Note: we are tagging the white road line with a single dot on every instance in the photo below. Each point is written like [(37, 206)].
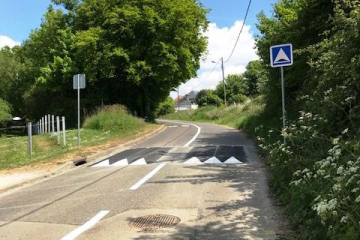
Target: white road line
[(74, 234), (147, 177), (194, 125), (196, 135)]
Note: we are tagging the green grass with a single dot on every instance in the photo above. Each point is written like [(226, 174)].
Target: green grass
[(109, 123), (247, 116)]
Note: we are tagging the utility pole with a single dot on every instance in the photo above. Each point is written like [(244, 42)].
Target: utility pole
[(223, 75)]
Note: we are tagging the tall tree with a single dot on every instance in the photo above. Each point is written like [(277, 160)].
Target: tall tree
[(135, 51), (254, 77), (235, 88)]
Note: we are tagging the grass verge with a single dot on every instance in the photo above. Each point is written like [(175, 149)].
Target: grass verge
[(109, 127)]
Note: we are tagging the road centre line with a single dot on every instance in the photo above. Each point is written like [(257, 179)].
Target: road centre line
[(147, 177), (74, 234)]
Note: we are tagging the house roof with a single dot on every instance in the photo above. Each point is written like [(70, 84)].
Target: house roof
[(179, 98), (192, 94)]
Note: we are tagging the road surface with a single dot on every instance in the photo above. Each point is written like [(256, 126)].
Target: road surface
[(191, 181)]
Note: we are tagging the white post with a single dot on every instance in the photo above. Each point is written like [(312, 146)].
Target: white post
[(53, 123), (49, 123), (40, 127), (64, 131), (58, 128), (46, 130), (30, 137)]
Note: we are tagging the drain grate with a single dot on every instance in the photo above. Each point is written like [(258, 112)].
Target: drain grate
[(154, 222)]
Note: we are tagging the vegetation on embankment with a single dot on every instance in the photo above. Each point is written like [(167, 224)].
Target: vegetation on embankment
[(316, 174), (108, 124), (240, 116)]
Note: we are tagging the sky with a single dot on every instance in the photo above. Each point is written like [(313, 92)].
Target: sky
[(19, 17)]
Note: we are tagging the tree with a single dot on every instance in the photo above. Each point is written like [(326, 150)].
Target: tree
[(5, 113), (12, 87), (235, 88), (254, 77), (166, 107), (141, 49), (208, 97)]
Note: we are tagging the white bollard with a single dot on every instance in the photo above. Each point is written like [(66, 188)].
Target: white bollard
[(49, 123), (45, 124), (58, 128), (42, 125), (30, 137), (53, 123), (64, 131)]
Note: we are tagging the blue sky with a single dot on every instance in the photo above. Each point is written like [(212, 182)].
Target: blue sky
[(19, 17)]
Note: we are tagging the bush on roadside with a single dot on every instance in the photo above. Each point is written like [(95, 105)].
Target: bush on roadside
[(114, 118), (165, 107), (5, 113)]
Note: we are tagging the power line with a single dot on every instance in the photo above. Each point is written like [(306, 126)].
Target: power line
[(202, 81), (242, 27)]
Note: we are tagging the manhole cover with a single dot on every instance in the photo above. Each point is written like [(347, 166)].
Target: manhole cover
[(154, 222)]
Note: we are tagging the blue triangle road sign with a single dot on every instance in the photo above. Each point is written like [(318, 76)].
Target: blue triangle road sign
[(281, 55)]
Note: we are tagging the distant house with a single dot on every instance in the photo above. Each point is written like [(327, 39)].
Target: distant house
[(186, 102)]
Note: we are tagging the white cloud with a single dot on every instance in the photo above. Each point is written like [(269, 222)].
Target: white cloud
[(6, 41), (221, 42)]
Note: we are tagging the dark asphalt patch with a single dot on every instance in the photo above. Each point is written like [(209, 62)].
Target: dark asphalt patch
[(202, 153), (223, 153)]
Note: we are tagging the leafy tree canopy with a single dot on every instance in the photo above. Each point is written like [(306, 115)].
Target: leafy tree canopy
[(208, 97)]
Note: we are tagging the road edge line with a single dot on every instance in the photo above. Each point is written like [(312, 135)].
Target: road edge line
[(194, 125), (86, 226)]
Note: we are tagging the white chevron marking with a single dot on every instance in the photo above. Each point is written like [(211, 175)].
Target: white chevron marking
[(213, 160), (122, 162), (140, 161), (104, 163), (233, 160), (193, 160)]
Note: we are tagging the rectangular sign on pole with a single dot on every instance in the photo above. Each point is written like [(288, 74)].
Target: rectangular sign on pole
[(79, 83), (79, 80), (281, 55)]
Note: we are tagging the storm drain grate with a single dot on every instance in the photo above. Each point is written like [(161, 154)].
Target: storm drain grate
[(154, 222)]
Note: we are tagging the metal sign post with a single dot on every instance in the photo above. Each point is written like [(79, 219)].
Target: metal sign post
[(281, 56), (79, 83)]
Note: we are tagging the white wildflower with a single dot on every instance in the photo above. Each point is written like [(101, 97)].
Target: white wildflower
[(344, 219), (345, 131), (340, 170)]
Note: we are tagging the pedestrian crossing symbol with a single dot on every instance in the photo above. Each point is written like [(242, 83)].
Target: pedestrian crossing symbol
[(281, 55)]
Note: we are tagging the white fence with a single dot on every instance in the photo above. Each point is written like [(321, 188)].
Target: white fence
[(48, 124)]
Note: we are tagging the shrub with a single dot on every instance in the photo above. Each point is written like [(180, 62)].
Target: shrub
[(113, 118), (5, 112), (166, 107)]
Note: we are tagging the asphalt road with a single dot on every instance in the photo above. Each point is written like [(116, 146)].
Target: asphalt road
[(208, 177)]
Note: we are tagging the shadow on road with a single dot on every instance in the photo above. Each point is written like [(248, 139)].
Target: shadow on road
[(247, 214)]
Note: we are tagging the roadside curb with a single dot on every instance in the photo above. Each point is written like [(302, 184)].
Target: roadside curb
[(67, 166)]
